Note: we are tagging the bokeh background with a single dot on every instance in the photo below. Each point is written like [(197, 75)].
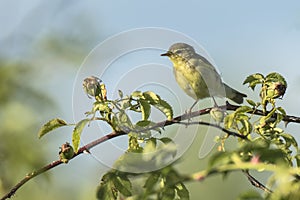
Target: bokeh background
[(43, 45)]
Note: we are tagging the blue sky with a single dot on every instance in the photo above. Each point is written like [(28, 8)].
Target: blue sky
[(241, 37)]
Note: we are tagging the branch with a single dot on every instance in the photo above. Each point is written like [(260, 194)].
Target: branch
[(200, 176), (176, 120), (287, 118), (255, 182), (58, 162), (216, 126)]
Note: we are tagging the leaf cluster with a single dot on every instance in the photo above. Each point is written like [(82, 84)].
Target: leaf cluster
[(264, 145)]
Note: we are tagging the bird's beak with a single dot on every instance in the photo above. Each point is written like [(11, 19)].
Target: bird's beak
[(168, 53)]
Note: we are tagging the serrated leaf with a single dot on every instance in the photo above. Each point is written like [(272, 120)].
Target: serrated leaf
[(276, 77), (253, 80), (50, 126), (77, 133), (145, 109), (251, 103)]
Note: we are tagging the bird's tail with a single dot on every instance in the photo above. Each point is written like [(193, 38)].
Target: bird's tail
[(234, 95)]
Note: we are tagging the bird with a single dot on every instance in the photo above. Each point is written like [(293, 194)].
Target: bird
[(197, 77)]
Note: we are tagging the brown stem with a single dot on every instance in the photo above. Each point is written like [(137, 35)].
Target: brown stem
[(176, 120)]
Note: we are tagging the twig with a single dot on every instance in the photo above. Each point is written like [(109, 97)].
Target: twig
[(200, 176), (216, 126), (255, 182), (58, 162), (176, 120), (286, 118)]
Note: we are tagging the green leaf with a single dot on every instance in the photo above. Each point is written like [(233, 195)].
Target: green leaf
[(151, 97), (164, 107), (166, 140), (136, 94), (280, 109), (51, 125), (145, 109), (254, 79), (172, 178), (270, 114), (77, 133), (122, 184), (297, 157), (158, 103), (144, 123), (151, 181), (182, 191), (124, 122), (168, 194), (244, 109), (229, 120), (102, 107), (247, 127), (276, 77), (106, 190), (251, 103), (106, 193), (289, 139)]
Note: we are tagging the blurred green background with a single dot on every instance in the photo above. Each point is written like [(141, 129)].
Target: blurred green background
[(43, 44)]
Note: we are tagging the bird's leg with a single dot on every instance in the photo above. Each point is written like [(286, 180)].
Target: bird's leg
[(189, 111), (215, 103)]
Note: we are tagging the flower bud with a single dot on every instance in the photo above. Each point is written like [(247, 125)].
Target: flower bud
[(94, 87), (217, 114), (66, 152)]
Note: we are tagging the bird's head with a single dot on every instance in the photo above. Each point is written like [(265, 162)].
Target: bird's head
[(179, 50)]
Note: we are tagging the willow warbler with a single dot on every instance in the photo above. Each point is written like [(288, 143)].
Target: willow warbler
[(197, 76)]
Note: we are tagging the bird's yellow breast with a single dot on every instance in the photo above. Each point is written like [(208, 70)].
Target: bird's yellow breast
[(189, 78)]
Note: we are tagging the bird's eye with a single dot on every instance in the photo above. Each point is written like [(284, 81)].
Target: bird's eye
[(179, 51)]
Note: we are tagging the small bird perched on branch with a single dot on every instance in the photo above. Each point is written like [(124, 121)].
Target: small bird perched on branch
[(197, 76)]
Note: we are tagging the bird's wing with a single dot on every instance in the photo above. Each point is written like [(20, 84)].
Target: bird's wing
[(208, 73)]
